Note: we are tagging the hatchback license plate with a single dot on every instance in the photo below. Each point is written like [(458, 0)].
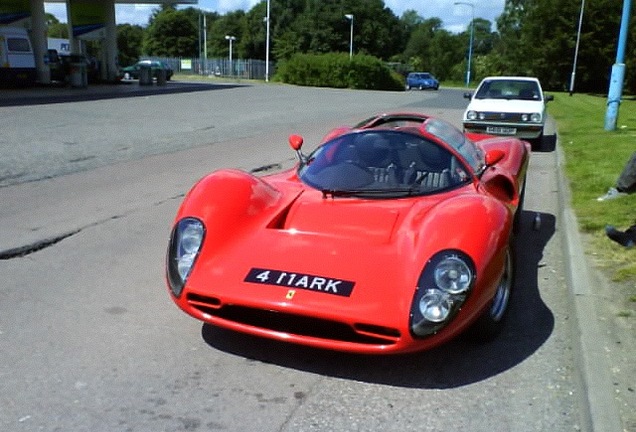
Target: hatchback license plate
[(501, 130)]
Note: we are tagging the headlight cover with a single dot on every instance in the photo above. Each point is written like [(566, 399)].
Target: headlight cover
[(442, 288), (183, 250), (471, 115)]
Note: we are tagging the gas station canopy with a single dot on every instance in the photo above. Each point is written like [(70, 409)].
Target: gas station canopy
[(87, 20)]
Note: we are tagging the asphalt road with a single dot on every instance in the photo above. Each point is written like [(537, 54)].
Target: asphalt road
[(89, 338)]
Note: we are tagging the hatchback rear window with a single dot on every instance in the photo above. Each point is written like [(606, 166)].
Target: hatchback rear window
[(18, 45)]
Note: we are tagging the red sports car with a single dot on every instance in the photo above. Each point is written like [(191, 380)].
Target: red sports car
[(393, 236)]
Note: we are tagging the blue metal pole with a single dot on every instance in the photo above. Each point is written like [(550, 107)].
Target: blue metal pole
[(618, 72)]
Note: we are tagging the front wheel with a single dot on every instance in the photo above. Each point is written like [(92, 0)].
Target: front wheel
[(489, 324)]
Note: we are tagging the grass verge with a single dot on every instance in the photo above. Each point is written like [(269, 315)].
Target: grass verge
[(594, 159)]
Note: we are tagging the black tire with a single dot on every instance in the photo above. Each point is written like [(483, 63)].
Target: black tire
[(490, 323)]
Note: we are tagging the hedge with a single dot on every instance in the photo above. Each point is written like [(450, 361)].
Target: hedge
[(338, 70)]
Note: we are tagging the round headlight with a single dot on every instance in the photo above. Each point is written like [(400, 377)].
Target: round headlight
[(535, 117), (435, 305), (471, 115), (524, 117), (442, 288), (453, 275)]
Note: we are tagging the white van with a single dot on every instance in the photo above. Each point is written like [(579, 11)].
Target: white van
[(17, 61)]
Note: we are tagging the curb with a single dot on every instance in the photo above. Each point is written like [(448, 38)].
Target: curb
[(600, 411)]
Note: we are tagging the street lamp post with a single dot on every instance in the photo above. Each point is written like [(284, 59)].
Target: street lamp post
[(350, 18), (267, 45), (205, 44), (576, 49), (472, 35), (230, 39)]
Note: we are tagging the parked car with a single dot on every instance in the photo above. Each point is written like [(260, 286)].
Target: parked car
[(394, 235), (132, 72), (421, 81), (17, 60), (509, 106)]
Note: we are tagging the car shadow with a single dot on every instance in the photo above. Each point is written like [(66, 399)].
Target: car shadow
[(458, 363)]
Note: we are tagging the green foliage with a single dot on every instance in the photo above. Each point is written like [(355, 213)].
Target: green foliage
[(171, 33), (129, 43), (231, 24), (533, 37), (56, 29), (538, 37), (339, 71)]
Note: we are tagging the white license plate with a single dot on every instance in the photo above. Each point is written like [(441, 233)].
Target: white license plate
[(499, 130)]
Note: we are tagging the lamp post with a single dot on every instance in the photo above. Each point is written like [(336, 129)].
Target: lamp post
[(205, 44), (350, 18), (230, 39), (472, 35), (267, 45), (576, 49), (618, 71)]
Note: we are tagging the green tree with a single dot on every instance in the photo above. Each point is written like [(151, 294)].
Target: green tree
[(231, 24), (171, 33), (55, 28), (484, 39), (538, 37), (433, 49), (129, 43)]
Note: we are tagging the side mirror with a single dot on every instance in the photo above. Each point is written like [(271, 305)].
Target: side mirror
[(468, 95), (548, 98), (296, 142), (494, 156)]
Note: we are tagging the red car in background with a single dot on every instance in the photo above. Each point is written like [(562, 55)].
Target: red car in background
[(394, 235)]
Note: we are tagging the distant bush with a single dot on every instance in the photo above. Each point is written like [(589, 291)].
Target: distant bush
[(339, 71)]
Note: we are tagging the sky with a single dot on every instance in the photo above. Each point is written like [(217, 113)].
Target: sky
[(455, 18)]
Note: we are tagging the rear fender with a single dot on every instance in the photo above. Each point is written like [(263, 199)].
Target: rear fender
[(502, 186), (517, 153)]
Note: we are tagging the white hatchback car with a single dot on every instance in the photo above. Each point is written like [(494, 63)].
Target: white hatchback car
[(507, 105)]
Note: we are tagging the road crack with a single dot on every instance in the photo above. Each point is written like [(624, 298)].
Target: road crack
[(23, 251)]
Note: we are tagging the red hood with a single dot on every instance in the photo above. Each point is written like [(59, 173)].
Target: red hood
[(346, 218)]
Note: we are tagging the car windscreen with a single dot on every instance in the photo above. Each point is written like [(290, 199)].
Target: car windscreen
[(382, 163), (455, 138), (509, 89)]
